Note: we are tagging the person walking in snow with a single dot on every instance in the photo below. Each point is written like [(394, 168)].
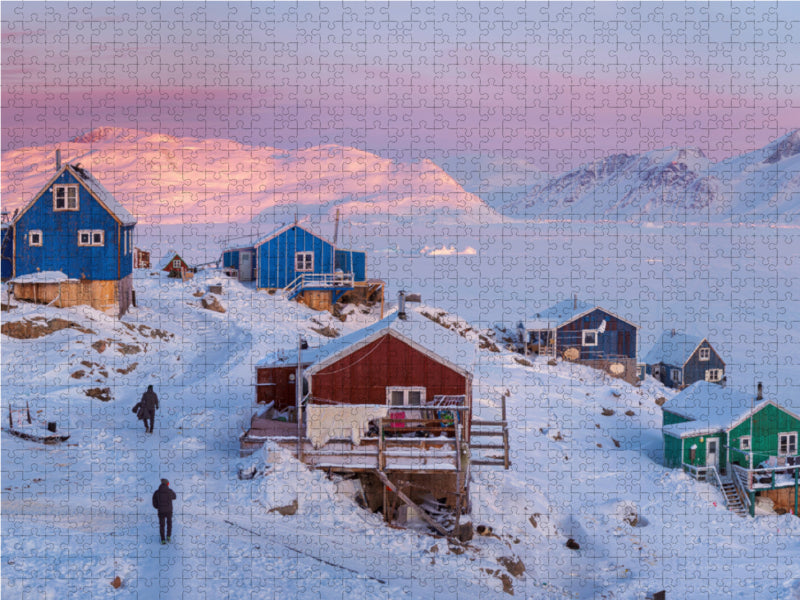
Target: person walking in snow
[(162, 502), (147, 408)]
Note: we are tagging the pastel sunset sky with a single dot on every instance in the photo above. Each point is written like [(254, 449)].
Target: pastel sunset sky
[(550, 86)]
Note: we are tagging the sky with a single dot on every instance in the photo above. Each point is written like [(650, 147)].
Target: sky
[(514, 89)]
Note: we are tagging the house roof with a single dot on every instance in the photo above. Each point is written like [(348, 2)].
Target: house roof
[(285, 228), (714, 408), (167, 259), (106, 199), (565, 312), (418, 331), (673, 349)]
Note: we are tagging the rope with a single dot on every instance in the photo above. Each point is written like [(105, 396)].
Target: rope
[(356, 362)]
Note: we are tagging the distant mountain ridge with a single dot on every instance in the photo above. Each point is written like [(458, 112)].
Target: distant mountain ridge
[(164, 179), (678, 185)]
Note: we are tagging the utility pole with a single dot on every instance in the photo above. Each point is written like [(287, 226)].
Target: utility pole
[(298, 393)]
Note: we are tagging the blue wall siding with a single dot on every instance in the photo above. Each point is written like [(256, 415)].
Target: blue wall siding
[(695, 369), (619, 338), (7, 252), (60, 250), (352, 261), (230, 258), (276, 257)]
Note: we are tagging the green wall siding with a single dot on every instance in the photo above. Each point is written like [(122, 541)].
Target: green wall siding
[(672, 450), (672, 418), (767, 424)]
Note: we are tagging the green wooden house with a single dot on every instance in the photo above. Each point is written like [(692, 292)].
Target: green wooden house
[(740, 438)]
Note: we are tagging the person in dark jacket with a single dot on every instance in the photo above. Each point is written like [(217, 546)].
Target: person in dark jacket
[(149, 404), (162, 502)]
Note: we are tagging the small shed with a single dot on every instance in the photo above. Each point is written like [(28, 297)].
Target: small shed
[(175, 266), (141, 259), (678, 360), (745, 438), (583, 332)]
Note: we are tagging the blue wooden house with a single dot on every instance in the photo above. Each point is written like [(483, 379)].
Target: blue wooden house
[(586, 333), (303, 264), (678, 360), (7, 252), (73, 244)]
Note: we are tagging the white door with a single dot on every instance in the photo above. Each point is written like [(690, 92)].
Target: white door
[(245, 266), (712, 452)]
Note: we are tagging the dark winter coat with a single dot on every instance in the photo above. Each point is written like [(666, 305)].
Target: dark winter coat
[(162, 499), (149, 405), (138, 409)]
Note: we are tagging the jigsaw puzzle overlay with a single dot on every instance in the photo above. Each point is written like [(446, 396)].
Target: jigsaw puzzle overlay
[(400, 300)]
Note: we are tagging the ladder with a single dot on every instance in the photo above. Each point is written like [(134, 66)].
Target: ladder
[(491, 430)]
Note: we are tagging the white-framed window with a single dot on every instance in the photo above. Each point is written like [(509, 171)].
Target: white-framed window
[(35, 237), (714, 375), (589, 337), (405, 396), (304, 261), (705, 354), (176, 263), (91, 237), (744, 443), (787, 444), (677, 376), (65, 197)]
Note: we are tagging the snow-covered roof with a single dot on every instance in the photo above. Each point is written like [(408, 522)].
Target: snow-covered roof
[(710, 405), (105, 197), (41, 183), (167, 259), (283, 229), (563, 312), (41, 277), (419, 331), (673, 349), (690, 429)]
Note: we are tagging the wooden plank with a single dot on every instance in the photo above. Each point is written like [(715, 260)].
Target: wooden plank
[(487, 433), (487, 462), (502, 423), (488, 446), (425, 516)]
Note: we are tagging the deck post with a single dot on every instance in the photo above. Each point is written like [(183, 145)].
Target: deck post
[(298, 396), (752, 496), (796, 475)]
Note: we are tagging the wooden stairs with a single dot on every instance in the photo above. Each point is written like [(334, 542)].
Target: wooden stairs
[(491, 430), (733, 500)]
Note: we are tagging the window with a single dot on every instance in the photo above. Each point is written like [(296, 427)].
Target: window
[(677, 376), (35, 237), (176, 264), (705, 353), (714, 375), (787, 444), (405, 396), (304, 261), (590, 337), (65, 197), (744, 443), (91, 237)]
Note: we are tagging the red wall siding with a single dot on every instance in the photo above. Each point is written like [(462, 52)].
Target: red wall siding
[(282, 392), (363, 376)]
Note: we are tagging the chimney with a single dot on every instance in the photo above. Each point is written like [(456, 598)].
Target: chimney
[(401, 304), (760, 394), (574, 301), (58, 159), (672, 333)]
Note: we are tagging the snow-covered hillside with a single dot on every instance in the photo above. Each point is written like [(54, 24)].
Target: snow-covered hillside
[(163, 179), (585, 465), (675, 185)]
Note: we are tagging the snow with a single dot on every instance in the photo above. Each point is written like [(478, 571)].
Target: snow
[(77, 515), (42, 277), (673, 349)]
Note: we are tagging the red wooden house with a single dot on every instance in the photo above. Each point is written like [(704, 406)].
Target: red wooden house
[(391, 403), (173, 264)]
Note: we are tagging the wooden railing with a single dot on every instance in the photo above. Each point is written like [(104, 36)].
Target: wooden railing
[(750, 476), (318, 280), (739, 477)]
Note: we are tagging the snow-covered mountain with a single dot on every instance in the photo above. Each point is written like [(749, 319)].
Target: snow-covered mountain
[(166, 180), (675, 185)]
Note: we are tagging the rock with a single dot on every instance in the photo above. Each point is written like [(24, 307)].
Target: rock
[(30, 330), (211, 302), (661, 400), (533, 520), (77, 374), (286, 511), (100, 346), (513, 565), (630, 413), (128, 348), (616, 442), (116, 583), (483, 530), (573, 545), (102, 394), (607, 412)]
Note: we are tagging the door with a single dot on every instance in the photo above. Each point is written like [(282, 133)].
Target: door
[(712, 452), (245, 266)]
